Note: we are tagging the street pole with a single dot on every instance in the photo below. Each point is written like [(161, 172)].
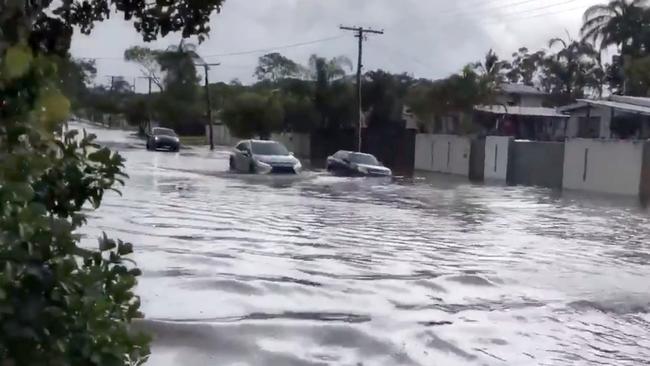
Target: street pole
[(359, 33), (150, 79), (206, 68)]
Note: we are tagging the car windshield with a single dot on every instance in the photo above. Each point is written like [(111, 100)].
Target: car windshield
[(163, 132), (363, 159), (269, 148)]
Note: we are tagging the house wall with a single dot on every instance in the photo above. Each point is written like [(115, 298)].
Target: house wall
[(605, 166), (496, 157), (298, 143), (221, 135), (448, 154), (604, 113), (534, 163)]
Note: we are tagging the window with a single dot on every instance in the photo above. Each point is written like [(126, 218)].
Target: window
[(243, 146), (342, 155), (269, 148), (365, 159), (158, 131)]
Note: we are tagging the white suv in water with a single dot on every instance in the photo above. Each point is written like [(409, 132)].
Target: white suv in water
[(264, 157)]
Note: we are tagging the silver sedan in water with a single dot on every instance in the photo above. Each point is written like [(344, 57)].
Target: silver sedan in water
[(263, 157)]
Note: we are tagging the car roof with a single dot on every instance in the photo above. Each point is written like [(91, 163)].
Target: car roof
[(259, 141)]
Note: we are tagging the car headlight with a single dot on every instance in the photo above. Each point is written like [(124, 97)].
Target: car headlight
[(297, 166), (362, 169), (263, 167), (156, 138)]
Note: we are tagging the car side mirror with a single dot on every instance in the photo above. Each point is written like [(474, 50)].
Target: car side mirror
[(246, 153), (347, 161), (291, 153)]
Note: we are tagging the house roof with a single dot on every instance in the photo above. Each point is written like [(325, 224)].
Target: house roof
[(521, 111), (622, 104), (511, 88)]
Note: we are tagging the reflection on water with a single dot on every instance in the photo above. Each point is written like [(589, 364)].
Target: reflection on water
[(319, 270)]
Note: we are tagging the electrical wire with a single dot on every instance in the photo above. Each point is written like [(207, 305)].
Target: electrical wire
[(240, 53)]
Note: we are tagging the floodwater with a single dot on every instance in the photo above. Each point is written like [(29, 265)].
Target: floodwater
[(318, 270)]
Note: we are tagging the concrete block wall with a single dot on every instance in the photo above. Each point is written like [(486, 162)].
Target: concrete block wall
[(222, 136), (447, 154), (535, 163), (298, 143), (604, 166), (497, 151)]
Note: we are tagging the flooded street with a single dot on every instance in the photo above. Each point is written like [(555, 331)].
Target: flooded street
[(319, 270)]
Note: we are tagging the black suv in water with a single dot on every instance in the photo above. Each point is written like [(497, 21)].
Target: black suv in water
[(356, 164), (163, 138)]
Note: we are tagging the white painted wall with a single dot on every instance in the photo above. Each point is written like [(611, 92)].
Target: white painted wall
[(612, 166), (604, 113), (298, 143), (496, 157), (222, 136), (447, 154)]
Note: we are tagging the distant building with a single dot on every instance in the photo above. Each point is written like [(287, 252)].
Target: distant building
[(520, 95), (519, 112), (617, 116)]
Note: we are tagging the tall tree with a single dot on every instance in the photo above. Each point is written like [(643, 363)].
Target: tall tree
[(621, 23), (525, 66), (253, 114), (148, 60), (573, 69), (322, 69), (492, 68), (274, 66), (178, 105), (63, 303)]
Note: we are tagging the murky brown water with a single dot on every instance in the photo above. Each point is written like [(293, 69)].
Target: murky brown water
[(316, 270)]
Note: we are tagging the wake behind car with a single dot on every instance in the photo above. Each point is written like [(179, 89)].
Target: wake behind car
[(264, 157), (163, 138), (350, 163)]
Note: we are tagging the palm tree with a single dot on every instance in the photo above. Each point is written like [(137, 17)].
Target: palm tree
[(492, 68), (322, 68), (620, 23), (572, 69)]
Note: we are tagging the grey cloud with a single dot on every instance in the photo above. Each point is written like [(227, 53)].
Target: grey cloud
[(428, 38)]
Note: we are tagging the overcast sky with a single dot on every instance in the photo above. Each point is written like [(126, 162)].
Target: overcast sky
[(426, 38)]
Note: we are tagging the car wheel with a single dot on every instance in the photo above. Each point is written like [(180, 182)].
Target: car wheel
[(232, 164), (251, 169), (148, 147), (176, 149)]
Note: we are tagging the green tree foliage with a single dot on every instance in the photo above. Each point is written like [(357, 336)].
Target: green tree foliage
[(253, 114), (638, 71), (383, 95), (524, 66), (572, 70), (621, 23), (178, 106), (148, 60), (61, 304), (274, 67)]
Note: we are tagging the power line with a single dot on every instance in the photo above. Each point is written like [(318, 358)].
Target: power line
[(261, 50), (240, 53)]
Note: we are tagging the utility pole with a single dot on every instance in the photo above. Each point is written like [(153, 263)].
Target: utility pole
[(150, 79), (360, 33), (113, 78), (206, 68)]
